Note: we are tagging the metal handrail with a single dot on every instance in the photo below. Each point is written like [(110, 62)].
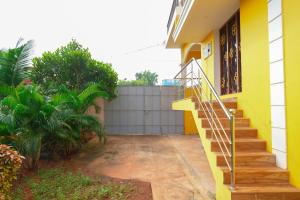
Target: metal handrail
[(208, 83), (218, 131), (174, 5)]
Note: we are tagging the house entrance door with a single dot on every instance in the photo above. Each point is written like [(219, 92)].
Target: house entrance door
[(231, 76)]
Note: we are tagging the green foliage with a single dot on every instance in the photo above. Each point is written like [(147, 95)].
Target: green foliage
[(68, 123), (145, 78), (52, 124), (58, 184), (48, 117), (15, 64), (149, 77), (73, 66), (10, 163), (132, 83), (21, 116)]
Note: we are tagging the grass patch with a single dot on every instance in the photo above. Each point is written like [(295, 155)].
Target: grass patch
[(56, 184)]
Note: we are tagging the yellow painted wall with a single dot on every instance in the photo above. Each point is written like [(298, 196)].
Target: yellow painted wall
[(184, 51), (255, 96), (208, 63), (189, 122), (192, 54), (291, 31)]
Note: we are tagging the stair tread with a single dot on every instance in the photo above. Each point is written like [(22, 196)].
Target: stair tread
[(244, 140), (221, 110), (237, 128), (223, 100), (224, 118), (262, 153), (256, 188), (255, 169)]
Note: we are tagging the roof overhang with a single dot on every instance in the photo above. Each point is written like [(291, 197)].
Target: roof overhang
[(200, 17)]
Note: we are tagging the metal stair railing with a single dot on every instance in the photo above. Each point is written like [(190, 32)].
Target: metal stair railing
[(206, 98)]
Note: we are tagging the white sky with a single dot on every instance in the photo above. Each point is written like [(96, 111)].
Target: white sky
[(109, 28)]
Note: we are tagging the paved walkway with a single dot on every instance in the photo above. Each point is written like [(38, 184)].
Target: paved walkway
[(176, 166)]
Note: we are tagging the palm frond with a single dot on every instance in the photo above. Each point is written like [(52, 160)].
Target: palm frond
[(6, 90), (16, 63), (23, 63), (88, 96), (19, 42)]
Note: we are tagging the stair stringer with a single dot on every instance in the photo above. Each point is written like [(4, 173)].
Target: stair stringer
[(222, 191)]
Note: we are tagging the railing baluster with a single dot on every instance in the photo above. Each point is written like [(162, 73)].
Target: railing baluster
[(232, 147)]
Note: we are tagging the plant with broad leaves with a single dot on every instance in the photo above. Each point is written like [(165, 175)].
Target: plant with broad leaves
[(10, 163), (53, 124)]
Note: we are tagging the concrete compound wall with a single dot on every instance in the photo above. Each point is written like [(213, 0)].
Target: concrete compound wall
[(144, 110)]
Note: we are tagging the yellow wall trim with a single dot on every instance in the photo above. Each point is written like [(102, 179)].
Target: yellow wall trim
[(222, 191)]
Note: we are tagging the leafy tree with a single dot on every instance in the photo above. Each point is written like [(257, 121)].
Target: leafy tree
[(150, 78), (145, 78), (73, 66)]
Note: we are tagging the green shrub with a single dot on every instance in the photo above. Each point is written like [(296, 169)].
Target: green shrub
[(10, 163), (53, 125)]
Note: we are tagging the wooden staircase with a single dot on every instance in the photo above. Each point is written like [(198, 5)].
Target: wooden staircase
[(256, 176)]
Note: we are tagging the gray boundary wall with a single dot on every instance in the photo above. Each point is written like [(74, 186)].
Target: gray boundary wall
[(143, 110)]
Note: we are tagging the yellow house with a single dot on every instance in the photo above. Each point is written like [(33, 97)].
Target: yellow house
[(240, 65)]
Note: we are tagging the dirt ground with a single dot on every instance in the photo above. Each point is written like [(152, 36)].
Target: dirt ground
[(160, 160), (164, 161)]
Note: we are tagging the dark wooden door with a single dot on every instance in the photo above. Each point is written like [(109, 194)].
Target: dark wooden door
[(231, 76)]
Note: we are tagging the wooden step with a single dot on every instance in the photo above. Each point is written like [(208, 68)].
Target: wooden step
[(265, 192), (220, 113), (240, 132), (257, 159), (216, 105), (241, 145), (257, 175), (239, 122)]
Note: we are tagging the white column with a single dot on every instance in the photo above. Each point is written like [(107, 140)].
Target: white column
[(277, 83)]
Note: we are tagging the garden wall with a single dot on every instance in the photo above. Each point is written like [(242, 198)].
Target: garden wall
[(143, 110)]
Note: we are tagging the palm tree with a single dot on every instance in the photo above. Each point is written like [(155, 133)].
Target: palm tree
[(54, 124), (15, 65), (20, 119)]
